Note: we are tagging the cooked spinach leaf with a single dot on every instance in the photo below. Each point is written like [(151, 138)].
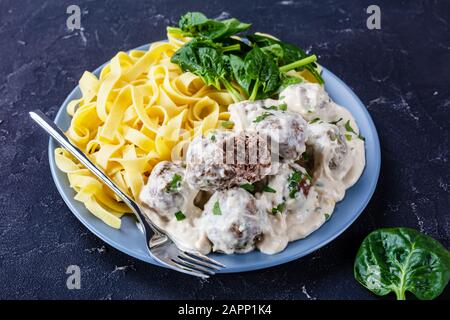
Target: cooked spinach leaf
[(402, 259)]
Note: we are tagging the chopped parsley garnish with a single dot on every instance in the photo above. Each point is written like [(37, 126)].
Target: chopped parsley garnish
[(348, 127), (314, 120), (281, 97), (262, 117), (269, 189), (348, 137), (216, 209), (175, 183), (293, 183), (213, 138), (248, 186), (179, 216), (279, 208), (335, 122), (227, 124), (327, 216), (282, 107), (270, 108)]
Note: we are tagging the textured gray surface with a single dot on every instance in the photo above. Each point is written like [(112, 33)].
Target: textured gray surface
[(401, 72)]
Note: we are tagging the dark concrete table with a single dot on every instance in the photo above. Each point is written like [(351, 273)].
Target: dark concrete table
[(401, 72)]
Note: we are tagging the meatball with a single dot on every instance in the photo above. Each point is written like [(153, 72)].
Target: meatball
[(243, 113), (226, 160), (334, 159), (307, 99), (329, 146), (165, 191), (268, 117), (232, 221), (287, 133)]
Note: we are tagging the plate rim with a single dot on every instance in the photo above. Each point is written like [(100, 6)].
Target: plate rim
[(254, 266)]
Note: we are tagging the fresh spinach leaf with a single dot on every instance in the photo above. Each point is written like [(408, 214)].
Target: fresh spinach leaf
[(205, 59), (197, 24), (402, 259), (263, 70), (275, 51), (237, 66), (285, 53)]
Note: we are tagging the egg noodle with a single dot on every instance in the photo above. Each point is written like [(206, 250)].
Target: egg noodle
[(141, 110)]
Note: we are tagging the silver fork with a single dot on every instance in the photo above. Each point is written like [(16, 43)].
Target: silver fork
[(160, 246)]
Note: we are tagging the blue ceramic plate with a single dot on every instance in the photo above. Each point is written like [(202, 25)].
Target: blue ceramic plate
[(131, 241)]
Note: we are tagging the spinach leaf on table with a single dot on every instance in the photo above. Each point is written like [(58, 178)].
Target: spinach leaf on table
[(402, 259)]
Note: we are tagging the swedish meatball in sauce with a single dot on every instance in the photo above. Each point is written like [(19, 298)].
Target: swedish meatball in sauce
[(286, 129), (230, 159), (232, 221)]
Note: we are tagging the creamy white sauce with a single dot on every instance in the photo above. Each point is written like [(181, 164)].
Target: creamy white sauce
[(266, 220)]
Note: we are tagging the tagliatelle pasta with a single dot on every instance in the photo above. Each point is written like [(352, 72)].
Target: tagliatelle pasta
[(141, 110)]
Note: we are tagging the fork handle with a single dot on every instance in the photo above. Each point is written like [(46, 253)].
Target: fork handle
[(52, 129)]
